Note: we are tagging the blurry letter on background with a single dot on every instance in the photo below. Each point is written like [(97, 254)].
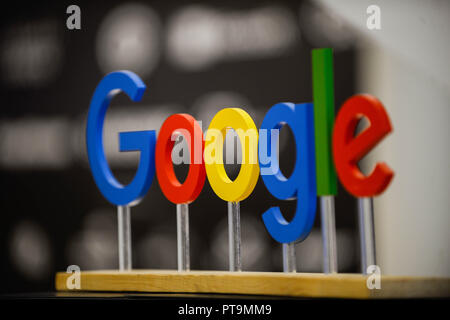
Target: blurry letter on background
[(74, 20), (374, 280), (374, 18), (73, 281)]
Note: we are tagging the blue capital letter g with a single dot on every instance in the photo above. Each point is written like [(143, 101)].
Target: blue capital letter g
[(143, 141)]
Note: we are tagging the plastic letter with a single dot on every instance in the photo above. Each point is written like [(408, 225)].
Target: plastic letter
[(302, 183), (190, 189), (323, 94), (143, 141), (243, 185), (348, 150)]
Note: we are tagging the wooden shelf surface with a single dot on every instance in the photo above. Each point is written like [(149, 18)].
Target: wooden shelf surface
[(314, 285)]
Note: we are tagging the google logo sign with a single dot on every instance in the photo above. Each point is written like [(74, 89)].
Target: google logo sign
[(326, 149)]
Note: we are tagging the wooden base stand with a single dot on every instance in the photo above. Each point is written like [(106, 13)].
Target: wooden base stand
[(314, 285)]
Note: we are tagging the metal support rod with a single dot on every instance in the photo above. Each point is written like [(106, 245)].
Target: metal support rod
[(124, 233), (183, 237), (327, 216), (366, 233), (234, 236), (289, 259)]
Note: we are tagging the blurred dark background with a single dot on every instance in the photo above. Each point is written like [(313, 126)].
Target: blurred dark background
[(196, 58)]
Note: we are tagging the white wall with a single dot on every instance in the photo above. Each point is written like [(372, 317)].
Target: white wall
[(412, 218)]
